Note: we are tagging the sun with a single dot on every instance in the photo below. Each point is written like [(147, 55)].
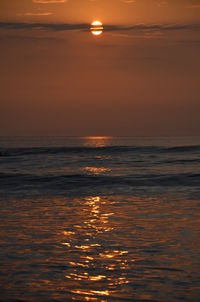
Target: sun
[(96, 28), (97, 23)]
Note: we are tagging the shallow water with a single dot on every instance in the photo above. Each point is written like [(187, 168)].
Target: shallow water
[(100, 219)]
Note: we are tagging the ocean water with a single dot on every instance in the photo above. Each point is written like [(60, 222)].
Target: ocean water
[(99, 219)]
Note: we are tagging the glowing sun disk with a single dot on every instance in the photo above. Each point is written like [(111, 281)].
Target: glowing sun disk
[(97, 32), (96, 28), (96, 23)]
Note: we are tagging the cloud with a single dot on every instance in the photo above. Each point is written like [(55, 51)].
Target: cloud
[(161, 3), (153, 27), (128, 1), (36, 14), (47, 26), (108, 28), (49, 1)]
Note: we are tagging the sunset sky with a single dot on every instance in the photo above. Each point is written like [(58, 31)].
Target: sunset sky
[(139, 77)]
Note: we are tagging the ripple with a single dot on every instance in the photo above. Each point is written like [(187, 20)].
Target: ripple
[(100, 249)]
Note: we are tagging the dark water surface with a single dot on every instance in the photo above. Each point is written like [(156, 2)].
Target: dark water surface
[(100, 219)]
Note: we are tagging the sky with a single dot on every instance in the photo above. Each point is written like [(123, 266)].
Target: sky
[(139, 77)]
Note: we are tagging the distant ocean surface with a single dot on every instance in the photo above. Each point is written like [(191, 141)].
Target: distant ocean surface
[(106, 166), (100, 219)]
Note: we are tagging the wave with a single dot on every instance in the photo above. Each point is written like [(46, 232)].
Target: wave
[(193, 148), (5, 152), (80, 180), (180, 161)]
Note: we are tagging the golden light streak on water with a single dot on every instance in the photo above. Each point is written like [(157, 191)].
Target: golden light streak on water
[(96, 170), (66, 243), (95, 223), (92, 292)]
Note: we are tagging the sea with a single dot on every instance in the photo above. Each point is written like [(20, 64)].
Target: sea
[(100, 219)]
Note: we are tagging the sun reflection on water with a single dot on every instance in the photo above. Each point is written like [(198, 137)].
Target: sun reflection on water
[(97, 141), (94, 262), (101, 249), (96, 170)]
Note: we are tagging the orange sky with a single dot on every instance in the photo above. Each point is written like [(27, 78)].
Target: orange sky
[(112, 11), (58, 79)]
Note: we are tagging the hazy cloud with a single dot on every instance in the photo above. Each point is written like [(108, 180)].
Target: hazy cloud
[(36, 14), (128, 1), (50, 26), (86, 26), (49, 1)]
